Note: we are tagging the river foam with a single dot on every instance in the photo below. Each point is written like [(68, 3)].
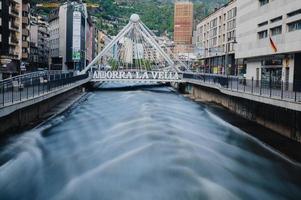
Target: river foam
[(142, 144)]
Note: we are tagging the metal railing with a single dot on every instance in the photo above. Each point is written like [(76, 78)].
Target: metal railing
[(33, 85), (269, 88)]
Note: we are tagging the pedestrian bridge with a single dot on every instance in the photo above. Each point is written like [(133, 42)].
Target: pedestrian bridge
[(136, 55)]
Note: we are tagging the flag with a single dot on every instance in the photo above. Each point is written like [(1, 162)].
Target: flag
[(273, 45)]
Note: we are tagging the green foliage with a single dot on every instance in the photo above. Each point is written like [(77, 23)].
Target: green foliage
[(112, 15), (113, 63)]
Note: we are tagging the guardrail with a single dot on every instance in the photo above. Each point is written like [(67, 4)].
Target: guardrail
[(271, 89), (36, 74), (32, 85)]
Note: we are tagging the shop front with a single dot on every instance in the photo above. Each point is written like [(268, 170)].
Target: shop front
[(271, 73)]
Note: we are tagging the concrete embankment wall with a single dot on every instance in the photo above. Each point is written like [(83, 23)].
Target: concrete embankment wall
[(30, 115), (283, 121)]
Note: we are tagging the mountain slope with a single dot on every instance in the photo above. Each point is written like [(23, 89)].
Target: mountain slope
[(112, 15)]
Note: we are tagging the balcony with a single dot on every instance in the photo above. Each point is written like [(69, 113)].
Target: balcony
[(13, 26), (13, 40), (13, 52), (25, 32), (25, 44), (24, 55), (25, 20), (25, 8), (14, 11), (14, 1)]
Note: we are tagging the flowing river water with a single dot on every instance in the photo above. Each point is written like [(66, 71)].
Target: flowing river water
[(144, 144)]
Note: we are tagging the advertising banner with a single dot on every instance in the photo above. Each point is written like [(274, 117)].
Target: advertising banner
[(76, 48)]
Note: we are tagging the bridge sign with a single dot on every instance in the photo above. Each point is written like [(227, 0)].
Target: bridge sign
[(168, 76), (136, 55)]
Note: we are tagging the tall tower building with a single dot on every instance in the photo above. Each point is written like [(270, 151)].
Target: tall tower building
[(67, 41), (183, 24)]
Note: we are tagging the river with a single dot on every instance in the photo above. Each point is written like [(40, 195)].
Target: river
[(143, 144)]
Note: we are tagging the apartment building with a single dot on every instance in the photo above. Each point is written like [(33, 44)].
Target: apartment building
[(269, 41), (67, 29), (183, 26), (39, 43), (10, 37), (216, 40), (102, 40)]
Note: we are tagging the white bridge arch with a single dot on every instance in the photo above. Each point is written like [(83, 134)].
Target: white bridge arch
[(136, 55)]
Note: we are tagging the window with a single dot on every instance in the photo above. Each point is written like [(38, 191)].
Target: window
[(276, 30), (272, 62), (263, 24), (213, 23), (276, 19), (294, 26), (263, 34), (296, 12), (231, 24), (231, 36), (213, 32), (214, 41), (263, 2), (231, 13)]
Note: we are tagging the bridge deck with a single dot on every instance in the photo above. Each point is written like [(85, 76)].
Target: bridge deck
[(136, 80)]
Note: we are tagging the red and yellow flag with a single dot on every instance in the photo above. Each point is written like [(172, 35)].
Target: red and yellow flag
[(273, 45)]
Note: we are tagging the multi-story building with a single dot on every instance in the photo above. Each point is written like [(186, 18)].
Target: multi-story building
[(39, 43), (25, 35), (152, 54), (89, 40), (94, 38), (10, 37), (102, 40), (183, 26), (67, 28), (269, 40), (216, 39)]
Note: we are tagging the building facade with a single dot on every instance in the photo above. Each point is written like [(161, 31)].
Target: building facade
[(39, 44), (25, 35), (216, 40), (183, 26), (269, 41), (67, 28), (10, 37), (89, 40), (103, 40)]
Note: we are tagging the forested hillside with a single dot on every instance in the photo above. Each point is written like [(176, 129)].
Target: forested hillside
[(156, 14)]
